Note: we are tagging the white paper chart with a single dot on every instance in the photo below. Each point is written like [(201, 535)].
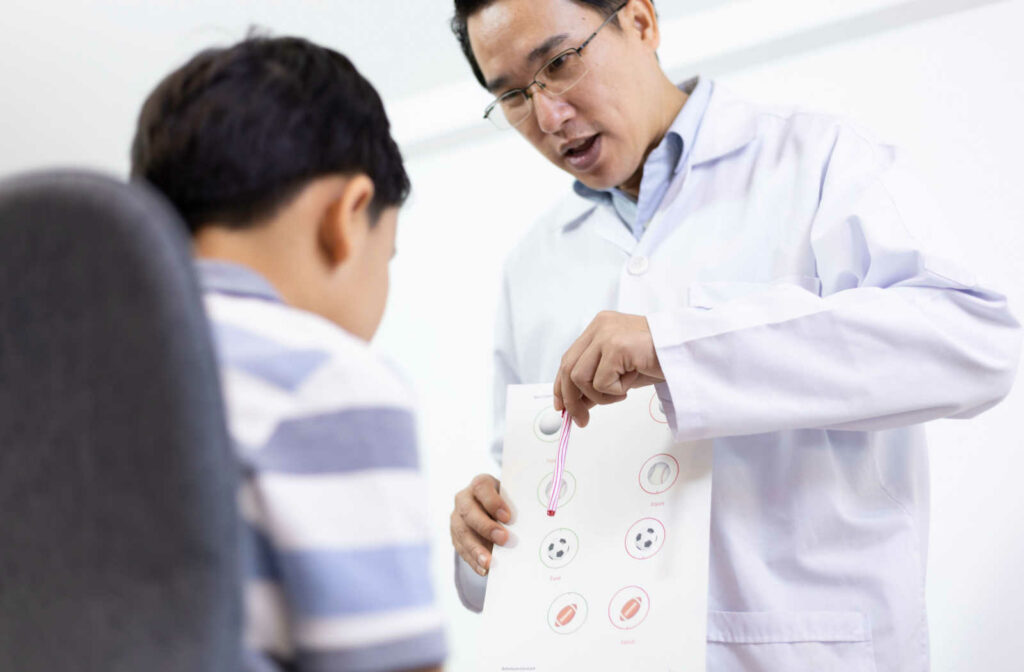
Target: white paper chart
[(617, 579)]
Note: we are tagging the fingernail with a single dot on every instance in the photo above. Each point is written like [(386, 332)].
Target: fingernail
[(481, 571), (482, 560), (504, 516), (498, 536)]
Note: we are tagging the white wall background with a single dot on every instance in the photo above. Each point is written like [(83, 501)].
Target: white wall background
[(942, 78)]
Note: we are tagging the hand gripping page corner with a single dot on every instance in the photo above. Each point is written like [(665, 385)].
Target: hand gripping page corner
[(617, 579)]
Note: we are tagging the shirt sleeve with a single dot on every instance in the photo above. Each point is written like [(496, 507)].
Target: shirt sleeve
[(896, 336), (336, 509)]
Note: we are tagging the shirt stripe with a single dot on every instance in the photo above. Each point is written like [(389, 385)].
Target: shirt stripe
[(346, 583), (344, 441), (400, 655), (266, 359)]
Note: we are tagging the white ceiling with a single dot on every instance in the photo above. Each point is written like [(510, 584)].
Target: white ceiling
[(73, 73), (403, 46), (406, 46)]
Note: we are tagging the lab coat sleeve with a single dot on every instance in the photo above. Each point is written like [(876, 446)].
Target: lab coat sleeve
[(470, 586), (896, 337)]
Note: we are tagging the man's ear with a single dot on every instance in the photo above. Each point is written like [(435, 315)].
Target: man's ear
[(643, 20), (346, 220)]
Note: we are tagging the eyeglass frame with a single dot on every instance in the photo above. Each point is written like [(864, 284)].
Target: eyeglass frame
[(526, 89)]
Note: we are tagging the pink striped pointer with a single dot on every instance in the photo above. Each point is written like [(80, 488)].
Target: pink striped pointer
[(556, 482)]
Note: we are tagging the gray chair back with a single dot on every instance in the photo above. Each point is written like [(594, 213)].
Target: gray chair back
[(118, 524)]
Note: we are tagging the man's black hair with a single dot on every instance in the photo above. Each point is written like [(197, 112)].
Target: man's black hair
[(236, 132), (467, 8)]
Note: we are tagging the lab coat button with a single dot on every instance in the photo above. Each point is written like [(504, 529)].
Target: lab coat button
[(638, 265)]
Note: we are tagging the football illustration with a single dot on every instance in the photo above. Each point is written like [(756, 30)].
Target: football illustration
[(566, 615), (630, 609)]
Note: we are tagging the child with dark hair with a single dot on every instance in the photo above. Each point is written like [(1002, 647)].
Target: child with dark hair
[(278, 155)]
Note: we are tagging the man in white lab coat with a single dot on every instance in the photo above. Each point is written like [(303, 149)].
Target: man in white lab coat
[(758, 267)]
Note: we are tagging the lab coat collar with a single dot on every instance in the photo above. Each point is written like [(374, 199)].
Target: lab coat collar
[(729, 124)]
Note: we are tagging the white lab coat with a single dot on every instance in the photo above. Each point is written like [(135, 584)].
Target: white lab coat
[(801, 326)]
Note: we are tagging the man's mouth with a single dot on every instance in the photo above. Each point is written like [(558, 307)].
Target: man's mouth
[(582, 153)]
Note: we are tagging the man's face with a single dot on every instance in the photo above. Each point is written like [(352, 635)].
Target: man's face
[(599, 130)]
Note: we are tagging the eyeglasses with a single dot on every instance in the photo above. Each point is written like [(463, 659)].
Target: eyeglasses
[(557, 76)]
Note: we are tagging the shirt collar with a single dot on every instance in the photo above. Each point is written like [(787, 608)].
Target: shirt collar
[(678, 140), (224, 277)]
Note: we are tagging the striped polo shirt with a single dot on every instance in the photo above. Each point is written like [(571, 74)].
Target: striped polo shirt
[(332, 499)]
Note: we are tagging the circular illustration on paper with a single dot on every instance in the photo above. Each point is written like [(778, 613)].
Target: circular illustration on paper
[(629, 607), (566, 493), (559, 547), (659, 473), (645, 538), (567, 613), (548, 425), (658, 409)]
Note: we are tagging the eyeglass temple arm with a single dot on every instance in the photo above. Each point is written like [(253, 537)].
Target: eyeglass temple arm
[(603, 24)]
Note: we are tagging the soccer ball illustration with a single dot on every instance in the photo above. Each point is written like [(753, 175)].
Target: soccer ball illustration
[(645, 539), (557, 549)]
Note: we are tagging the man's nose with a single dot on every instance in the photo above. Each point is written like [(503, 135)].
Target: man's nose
[(552, 111)]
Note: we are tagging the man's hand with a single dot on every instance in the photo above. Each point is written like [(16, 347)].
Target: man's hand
[(473, 524), (614, 354)]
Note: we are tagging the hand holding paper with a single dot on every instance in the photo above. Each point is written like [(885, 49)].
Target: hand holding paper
[(474, 522)]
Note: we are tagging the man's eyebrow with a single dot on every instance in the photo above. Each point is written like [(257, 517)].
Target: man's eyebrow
[(539, 52), (547, 46)]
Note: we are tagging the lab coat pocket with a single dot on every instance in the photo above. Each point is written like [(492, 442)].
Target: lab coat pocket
[(710, 294), (802, 641)]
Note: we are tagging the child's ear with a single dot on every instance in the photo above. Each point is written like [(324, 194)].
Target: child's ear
[(346, 220)]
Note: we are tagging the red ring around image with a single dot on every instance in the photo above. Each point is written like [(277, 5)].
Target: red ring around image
[(664, 535), (623, 610), (640, 476)]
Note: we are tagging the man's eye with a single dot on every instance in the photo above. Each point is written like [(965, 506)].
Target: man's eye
[(556, 65)]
